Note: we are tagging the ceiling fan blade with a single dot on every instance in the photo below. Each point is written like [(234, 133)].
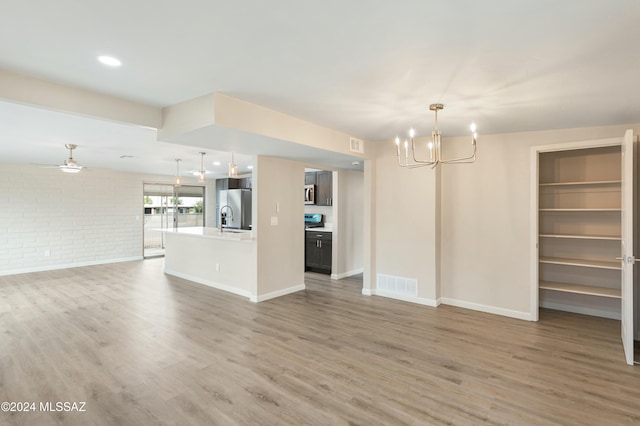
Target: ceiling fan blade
[(70, 165), (45, 166)]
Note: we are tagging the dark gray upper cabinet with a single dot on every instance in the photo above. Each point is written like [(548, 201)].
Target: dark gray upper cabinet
[(324, 188), (310, 178), (227, 183), (245, 183)]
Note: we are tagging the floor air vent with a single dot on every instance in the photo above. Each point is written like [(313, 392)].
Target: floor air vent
[(397, 285)]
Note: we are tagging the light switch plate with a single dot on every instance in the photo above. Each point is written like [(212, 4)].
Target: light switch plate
[(274, 220)]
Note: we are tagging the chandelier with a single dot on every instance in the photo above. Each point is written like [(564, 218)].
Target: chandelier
[(433, 147)]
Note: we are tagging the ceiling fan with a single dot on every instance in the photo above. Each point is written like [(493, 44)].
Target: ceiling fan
[(70, 165)]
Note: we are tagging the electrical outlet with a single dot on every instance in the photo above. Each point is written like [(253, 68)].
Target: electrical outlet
[(217, 267), (274, 220), (47, 253)]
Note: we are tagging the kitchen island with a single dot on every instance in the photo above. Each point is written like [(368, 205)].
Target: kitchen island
[(226, 261)]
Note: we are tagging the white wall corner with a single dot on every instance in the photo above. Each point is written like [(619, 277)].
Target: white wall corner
[(527, 316), (261, 298), (187, 116), (369, 226), (346, 274)]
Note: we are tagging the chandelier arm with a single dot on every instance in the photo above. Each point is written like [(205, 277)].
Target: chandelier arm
[(460, 161), (469, 159), (415, 160), (406, 164), (411, 165), (415, 166)]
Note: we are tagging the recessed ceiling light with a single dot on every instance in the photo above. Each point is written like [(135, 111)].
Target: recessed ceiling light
[(110, 60), (250, 167), (216, 163)]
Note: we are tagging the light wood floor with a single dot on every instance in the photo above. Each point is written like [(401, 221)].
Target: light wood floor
[(144, 348)]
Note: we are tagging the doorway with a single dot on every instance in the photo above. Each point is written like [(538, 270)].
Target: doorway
[(582, 230), (169, 207)]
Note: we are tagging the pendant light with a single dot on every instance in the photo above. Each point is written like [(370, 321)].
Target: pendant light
[(203, 172), (233, 168), (178, 160)]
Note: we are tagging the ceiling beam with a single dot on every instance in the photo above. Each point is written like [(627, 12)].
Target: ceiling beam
[(29, 90)]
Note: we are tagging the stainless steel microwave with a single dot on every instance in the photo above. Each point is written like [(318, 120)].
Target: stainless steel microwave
[(309, 194)]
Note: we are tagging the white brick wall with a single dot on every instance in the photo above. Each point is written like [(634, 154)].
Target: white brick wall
[(95, 216)]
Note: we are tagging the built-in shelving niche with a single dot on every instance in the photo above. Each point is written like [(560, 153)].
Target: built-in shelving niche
[(579, 216)]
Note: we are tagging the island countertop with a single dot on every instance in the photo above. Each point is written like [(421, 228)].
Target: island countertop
[(214, 233)]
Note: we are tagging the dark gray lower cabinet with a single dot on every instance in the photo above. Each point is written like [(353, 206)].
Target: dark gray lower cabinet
[(318, 252)]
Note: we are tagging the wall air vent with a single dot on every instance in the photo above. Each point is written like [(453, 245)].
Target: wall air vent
[(356, 145), (397, 285)]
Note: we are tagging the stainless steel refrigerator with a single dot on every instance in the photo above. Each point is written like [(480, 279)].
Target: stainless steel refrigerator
[(238, 213)]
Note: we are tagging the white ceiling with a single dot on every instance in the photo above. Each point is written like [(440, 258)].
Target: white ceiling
[(38, 136), (369, 68)]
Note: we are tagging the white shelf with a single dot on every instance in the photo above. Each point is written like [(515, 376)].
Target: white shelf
[(594, 183), (600, 264), (581, 210), (613, 293), (581, 237)]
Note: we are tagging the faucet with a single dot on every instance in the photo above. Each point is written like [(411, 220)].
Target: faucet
[(220, 221)]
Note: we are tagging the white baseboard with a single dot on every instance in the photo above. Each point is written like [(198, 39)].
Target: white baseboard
[(69, 265), (582, 310), (488, 309), (223, 287), (278, 293), (406, 298), (367, 292), (346, 274)]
